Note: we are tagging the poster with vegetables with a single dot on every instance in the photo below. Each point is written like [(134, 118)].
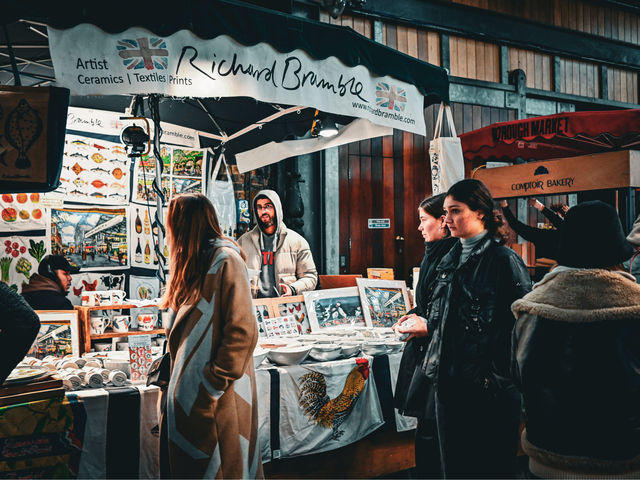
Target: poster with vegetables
[(91, 238), (144, 236), (184, 171), (22, 211), (20, 258), (92, 281), (93, 171)]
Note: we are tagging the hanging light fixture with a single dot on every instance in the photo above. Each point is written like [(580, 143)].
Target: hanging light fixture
[(323, 125)]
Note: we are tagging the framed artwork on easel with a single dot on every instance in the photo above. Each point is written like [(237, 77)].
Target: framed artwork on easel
[(383, 301)]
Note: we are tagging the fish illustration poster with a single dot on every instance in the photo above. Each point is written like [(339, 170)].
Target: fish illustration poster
[(22, 211), (19, 258), (91, 238), (144, 235), (93, 171), (183, 172)]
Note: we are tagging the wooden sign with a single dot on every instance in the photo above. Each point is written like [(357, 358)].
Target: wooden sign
[(564, 175), (32, 126)]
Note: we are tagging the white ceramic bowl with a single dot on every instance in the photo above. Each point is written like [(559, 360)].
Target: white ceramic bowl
[(374, 348), (325, 353), (259, 354), (395, 347), (350, 350), (289, 355)]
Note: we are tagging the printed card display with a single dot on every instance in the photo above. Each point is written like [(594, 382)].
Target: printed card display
[(144, 236), (139, 357), (91, 238), (384, 301), (183, 172), (58, 335), (297, 309), (262, 312), (22, 211), (20, 258), (279, 326), (334, 307), (93, 171), (91, 282)]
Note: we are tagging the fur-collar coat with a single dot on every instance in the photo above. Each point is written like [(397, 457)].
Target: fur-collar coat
[(576, 360)]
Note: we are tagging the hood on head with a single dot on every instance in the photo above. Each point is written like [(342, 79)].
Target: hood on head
[(225, 242), (275, 199)]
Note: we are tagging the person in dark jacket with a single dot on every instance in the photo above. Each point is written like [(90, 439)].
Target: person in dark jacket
[(19, 326), (468, 358), (48, 289), (633, 264), (545, 239), (576, 354), (413, 394)]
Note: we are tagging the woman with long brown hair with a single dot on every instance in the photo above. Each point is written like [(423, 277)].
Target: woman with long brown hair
[(210, 424)]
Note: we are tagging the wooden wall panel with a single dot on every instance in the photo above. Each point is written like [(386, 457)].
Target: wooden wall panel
[(360, 24), (579, 78), (418, 43), (580, 15), (536, 65), (474, 59), (623, 85)]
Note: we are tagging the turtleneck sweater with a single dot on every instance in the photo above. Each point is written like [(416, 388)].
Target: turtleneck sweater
[(468, 244)]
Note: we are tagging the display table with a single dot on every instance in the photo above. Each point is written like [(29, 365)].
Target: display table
[(112, 432)]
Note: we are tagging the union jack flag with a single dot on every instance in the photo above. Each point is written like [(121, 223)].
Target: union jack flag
[(144, 52), (390, 96)]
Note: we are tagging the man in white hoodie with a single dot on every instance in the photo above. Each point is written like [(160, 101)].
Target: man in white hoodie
[(282, 256)]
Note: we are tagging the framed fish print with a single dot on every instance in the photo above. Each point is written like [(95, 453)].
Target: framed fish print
[(335, 307), (91, 238), (93, 171), (383, 301), (58, 335)]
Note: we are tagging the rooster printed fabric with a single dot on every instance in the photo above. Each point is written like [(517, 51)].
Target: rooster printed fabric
[(212, 404), (324, 406)]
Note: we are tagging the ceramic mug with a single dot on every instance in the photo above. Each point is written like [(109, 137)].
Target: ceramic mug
[(105, 298), (90, 299), (147, 321), (117, 297), (99, 325), (121, 323)]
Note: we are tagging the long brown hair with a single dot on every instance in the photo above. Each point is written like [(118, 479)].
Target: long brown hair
[(192, 224)]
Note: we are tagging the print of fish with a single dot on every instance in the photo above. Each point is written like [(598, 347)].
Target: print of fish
[(118, 149), (76, 192), (98, 183), (117, 196), (78, 182), (98, 169), (77, 168), (76, 154), (80, 142), (97, 195), (22, 129), (100, 147), (117, 186)]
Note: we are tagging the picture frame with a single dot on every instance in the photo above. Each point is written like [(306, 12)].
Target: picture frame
[(263, 309), (59, 334), (335, 307), (383, 301), (294, 306)]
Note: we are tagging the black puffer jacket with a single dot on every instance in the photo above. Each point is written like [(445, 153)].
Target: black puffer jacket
[(471, 319), (416, 348), (576, 361)]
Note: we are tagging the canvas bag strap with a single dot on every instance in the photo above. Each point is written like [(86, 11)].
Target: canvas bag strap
[(437, 131), (220, 161), (452, 127)]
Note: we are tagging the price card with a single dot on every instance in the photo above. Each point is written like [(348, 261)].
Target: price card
[(139, 357)]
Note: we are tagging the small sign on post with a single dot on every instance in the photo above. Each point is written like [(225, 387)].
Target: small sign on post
[(379, 222)]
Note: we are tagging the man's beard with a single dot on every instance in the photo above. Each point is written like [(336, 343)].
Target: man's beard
[(267, 224)]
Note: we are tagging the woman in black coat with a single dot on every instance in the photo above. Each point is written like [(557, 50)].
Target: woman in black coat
[(468, 357), (413, 395)]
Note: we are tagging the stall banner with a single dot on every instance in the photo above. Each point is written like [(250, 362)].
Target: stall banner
[(104, 122), (324, 406), (91, 238), (144, 236), (90, 282), (402, 423), (93, 171), (20, 257), (184, 172), (89, 61), (22, 211)]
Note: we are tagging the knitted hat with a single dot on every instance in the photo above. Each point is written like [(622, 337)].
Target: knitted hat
[(591, 237), (634, 237)]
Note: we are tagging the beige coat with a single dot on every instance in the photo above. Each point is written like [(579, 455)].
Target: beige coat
[(212, 411), (294, 265)]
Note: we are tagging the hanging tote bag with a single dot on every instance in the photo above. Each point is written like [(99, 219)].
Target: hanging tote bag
[(223, 199), (445, 154)]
